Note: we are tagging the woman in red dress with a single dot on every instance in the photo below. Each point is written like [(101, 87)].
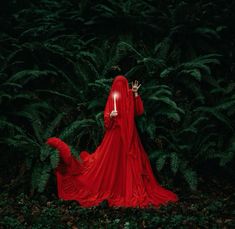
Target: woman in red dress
[(119, 170)]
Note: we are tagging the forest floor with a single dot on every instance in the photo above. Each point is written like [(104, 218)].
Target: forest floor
[(211, 206)]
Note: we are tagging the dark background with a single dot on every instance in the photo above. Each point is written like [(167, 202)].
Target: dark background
[(57, 62)]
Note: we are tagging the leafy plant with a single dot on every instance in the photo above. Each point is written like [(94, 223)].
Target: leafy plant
[(57, 62)]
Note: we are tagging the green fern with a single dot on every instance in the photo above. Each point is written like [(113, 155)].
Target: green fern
[(76, 126), (49, 72), (54, 159), (174, 162), (51, 127), (191, 178), (27, 75)]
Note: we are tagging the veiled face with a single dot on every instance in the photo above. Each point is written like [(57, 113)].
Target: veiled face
[(120, 86)]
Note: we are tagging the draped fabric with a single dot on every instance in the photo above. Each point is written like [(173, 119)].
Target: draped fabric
[(119, 170)]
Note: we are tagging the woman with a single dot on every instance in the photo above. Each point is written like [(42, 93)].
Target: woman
[(119, 170)]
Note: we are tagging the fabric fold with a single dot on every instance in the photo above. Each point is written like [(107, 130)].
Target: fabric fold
[(119, 170)]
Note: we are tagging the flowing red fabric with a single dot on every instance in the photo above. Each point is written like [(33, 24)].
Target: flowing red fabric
[(119, 170)]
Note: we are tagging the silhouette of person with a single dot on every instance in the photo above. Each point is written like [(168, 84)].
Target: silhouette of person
[(119, 170)]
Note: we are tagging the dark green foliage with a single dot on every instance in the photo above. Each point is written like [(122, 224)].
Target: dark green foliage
[(57, 62), (209, 208)]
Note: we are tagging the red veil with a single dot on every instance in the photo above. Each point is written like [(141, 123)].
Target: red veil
[(125, 108), (118, 170)]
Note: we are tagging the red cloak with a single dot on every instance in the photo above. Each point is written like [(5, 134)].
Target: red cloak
[(119, 170)]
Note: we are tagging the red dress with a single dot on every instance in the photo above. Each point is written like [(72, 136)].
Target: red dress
[(119, 170)]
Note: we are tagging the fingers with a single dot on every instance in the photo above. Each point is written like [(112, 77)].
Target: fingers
[(138, 86), (135, 84), (113, 113)]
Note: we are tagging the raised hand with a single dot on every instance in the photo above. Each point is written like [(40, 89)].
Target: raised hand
[(135, 87)]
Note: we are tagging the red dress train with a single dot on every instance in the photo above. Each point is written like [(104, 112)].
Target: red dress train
[(119, 170)]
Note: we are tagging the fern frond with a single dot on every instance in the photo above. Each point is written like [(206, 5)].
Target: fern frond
[(54, 159), (76, 126), (191, 178), (25, 76), (161, 162), (217, 114), (48, 132), (174, 162)]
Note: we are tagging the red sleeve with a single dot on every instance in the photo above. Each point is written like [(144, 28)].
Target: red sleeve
[(139, 108), (108, 122)]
